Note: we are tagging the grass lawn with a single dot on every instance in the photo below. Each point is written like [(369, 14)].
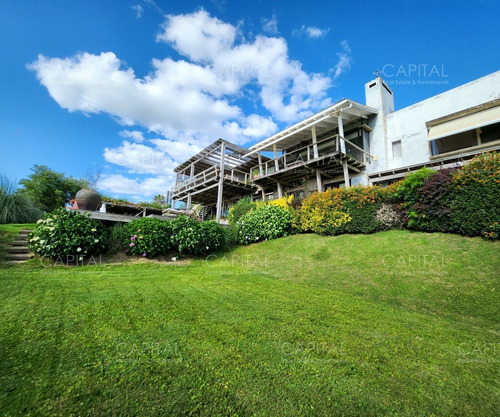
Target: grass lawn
[(395, 323)]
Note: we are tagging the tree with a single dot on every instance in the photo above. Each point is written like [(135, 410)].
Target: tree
[(50, 189), (160, 199)]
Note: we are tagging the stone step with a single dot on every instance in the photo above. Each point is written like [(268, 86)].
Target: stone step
[(19, 242), (18, 256), (18, 249)]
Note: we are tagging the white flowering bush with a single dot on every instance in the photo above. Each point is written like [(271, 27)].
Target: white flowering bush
[(147, 237), (190, 236), (63, 233), (264, 223)]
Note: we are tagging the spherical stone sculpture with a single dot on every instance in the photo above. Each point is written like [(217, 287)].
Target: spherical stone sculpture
[(88, 199)]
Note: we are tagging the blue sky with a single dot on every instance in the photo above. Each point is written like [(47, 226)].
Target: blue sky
[(135, 87)]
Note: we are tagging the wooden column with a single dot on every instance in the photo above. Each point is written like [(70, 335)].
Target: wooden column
[(315, 142), (280, 190), (221, 182), (346, 175), (276, 162), (318, 179), (341, 132)]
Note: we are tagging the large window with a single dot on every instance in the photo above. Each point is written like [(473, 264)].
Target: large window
[(466, 139)]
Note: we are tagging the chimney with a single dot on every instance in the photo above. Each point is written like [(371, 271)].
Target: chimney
[(379, 95)]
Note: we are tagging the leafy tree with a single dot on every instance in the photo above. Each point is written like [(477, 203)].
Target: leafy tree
[(50, 189)]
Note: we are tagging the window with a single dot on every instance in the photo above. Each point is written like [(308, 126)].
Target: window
[(466, 139), (397, 150)]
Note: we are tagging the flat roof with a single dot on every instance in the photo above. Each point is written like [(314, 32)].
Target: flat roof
[(325, 120)]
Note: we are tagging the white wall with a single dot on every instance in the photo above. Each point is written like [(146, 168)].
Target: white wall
[(408, 124)]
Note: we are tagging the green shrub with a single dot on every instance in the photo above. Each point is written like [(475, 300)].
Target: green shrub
[(474, 197), (116, 238), (213, 236), (406, 192), (431, 211), (242, 207), (147, 237), (64, 233), (16, 207), (264, 223)]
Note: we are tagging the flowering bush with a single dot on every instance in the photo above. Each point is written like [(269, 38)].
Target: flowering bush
[(187, 235), (242, 207), (359, 205), (264, 223), (64, 233), (147, 237), (213, 236), (389, 217), (474, 197)]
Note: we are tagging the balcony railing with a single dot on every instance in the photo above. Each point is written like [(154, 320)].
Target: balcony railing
[(299, 157), (210, 175)]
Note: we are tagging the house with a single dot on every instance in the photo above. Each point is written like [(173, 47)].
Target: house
[(349, 144)]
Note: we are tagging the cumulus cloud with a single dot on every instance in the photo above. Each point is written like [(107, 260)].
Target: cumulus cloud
[(135, 135), (117, 185), (311, 32), (191, 101)]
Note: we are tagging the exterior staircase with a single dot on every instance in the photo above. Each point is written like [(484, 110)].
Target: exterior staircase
[(18, 251)]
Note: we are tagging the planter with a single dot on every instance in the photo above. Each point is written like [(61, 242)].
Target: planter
[(88, 199)]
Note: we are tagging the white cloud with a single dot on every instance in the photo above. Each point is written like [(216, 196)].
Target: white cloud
[(138, 9), (344, 61), (270, 25), (140, 159), (312, 32), (140, 189), (192, 101), (135, 135)]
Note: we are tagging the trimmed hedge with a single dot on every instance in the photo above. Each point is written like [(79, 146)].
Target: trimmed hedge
[(340, 210)]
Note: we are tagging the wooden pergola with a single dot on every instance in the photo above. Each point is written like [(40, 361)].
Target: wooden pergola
[(218, 173), (316, 146)]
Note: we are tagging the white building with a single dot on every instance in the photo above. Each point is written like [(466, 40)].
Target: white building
[(350, 143)]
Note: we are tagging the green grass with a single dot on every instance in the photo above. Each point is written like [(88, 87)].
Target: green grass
[(305, 325)]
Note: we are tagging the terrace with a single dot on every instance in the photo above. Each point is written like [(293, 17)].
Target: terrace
[(330, 144), (218, 173)]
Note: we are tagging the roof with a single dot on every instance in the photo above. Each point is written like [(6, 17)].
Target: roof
[(325, 120), (236, 157)]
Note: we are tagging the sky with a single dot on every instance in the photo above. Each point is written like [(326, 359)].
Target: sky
[(132, 88)]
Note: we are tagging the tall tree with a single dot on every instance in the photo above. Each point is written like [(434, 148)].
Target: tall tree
[(50, 189)]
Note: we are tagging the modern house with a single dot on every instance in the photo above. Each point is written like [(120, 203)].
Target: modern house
[(348, 144)]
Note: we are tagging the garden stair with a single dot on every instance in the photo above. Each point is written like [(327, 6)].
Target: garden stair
[(18, 251)]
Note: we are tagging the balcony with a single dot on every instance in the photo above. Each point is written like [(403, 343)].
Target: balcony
[(328, 155)]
